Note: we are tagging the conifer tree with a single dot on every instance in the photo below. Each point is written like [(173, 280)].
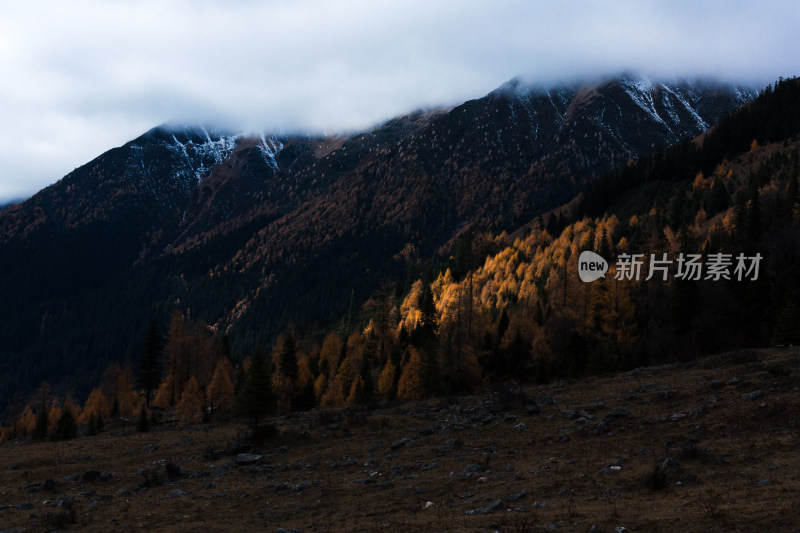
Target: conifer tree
[(255, 399), (150, 365)]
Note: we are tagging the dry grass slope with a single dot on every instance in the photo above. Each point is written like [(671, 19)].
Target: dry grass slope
[(670, 448)]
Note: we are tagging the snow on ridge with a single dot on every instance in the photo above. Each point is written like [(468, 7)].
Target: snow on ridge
[(199, 158), (641, 92), (702, 124), (269, 149)]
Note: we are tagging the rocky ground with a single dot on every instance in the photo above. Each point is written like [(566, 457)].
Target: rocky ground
[(710, 445)]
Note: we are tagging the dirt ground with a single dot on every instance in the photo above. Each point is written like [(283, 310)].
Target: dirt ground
[(710, 445)]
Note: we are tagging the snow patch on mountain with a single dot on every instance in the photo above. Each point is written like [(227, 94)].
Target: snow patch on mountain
[(269, 148)]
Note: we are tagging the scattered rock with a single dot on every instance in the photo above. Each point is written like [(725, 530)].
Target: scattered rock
[(493, 506), (430, 466), (73, 477), (91, 475), (247, 459), (754, 395), (518, 495), (677, 416), (533, 409), (520, 427), (669, 463), (124, 492), (570, 413), (175, 493), (617, 413), (398, 444), (214, 455), (237, 448), (25, 506), (303, 485), (153, 447), (763, 483)]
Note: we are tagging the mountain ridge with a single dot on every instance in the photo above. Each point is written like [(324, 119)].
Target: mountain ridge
[(229, 226)]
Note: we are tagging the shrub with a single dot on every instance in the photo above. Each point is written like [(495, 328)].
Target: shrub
[(656, 479)]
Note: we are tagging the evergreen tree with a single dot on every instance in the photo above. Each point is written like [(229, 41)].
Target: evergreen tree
[(40, 429), (91, 429), (143, 424), (66, 428), (150, 364), (288, 358), (255, 399)]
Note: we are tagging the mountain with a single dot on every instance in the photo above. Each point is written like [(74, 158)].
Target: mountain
[(252, 232)]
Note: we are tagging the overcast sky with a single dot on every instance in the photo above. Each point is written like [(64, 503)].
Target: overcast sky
[(80, 77)]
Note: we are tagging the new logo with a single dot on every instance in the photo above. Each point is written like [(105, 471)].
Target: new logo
[(591, 266)]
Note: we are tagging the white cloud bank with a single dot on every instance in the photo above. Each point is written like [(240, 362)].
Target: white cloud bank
[(77, 78)]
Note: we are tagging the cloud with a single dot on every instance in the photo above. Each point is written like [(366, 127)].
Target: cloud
[(81, 77)]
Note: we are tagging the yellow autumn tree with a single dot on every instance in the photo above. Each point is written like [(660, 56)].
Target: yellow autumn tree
[(334, 394), (97, 405), (386, 380), (219, 393), (163, 395), (356, 391), (53, 415), (27, 421), (191, 405), (411, 385)]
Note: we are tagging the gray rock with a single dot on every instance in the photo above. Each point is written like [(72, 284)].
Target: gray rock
[(25, 506), (473, 469), (73, 477), (763, 483), (518, 495), (533, 409), (91, 475), (547, 400), (677, 416), (669, 463), (430, 466), (617, 413), (282, 530), (520, 427), (398, 443), (493, 506), (124, 492), (247, 459), (303, 485), (570, 413), (585, 414), (754, 395), (175, 493), (65, 503)]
